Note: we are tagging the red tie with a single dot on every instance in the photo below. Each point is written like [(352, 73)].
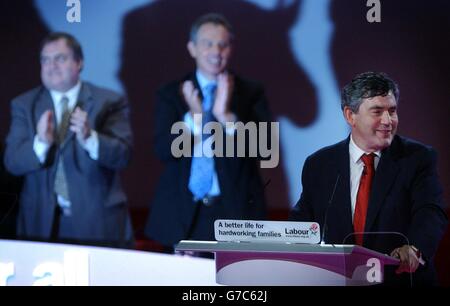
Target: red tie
[(362, 199)]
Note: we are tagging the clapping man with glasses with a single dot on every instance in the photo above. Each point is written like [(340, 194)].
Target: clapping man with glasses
[(69, 139)]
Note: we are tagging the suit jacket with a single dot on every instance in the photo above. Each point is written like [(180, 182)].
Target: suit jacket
[(99, 210), (172, 209), (406, 197)]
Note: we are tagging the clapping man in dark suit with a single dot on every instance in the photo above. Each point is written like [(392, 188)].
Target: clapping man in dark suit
[(382, 183), (69, 139), (195, 191)]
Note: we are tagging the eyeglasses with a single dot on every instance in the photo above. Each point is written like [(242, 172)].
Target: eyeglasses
[(57, 59)]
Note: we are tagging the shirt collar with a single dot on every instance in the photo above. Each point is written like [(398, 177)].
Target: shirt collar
[(71, 94), (356, 152), (203, 82)]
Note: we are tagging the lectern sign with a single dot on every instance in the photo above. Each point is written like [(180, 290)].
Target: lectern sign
[(276, 231)]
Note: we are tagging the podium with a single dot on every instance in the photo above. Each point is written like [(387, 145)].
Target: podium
[(272, 264), (25, 263)]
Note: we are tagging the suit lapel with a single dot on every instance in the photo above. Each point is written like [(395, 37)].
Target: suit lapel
[(342, 199), (194, 80), (235, 96), (385, 175), (84, 101)]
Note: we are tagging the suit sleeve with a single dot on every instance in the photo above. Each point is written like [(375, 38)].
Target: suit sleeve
[(20, 158), (302, 211), (428, 217), (115, 136), (165, 116), (253, 109), (261, 111)]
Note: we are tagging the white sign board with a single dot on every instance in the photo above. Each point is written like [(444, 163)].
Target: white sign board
[(41, 264), (276, 231)]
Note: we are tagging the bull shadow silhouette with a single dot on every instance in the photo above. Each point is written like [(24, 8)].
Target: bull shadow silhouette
[(154, 52), (21, 31)]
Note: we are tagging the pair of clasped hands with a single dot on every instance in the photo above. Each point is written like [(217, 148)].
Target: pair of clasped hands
[(78, 124), (220, 110)]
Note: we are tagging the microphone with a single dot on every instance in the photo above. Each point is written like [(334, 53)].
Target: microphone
[(266, 184), (259, 192), (322, 241)]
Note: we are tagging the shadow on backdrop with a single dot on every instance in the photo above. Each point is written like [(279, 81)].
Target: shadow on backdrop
[(154, 52), (9, 200), (21, 31)]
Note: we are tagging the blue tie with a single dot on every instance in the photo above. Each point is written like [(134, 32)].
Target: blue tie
[(202, 168)]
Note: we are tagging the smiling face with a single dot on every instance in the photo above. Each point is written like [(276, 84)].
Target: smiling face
[(375, 123), (211, 49), (59, 69)]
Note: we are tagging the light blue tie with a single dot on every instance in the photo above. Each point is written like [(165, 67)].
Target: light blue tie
[(202, 168)]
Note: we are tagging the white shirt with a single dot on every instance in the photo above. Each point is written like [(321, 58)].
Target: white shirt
[(356, 169)]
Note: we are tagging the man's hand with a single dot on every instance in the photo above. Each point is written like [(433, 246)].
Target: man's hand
[(45, 128), (409, 260), (79, 125), (192, 98), (225, 85)]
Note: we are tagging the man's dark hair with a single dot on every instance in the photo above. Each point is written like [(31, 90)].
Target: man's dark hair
[(367, 85), (214, 18), (71, 42)]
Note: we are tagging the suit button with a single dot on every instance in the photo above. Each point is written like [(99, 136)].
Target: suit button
[(206, 201)]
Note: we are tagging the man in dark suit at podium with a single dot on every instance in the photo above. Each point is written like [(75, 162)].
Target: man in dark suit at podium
[(376, 181), (195, 191)]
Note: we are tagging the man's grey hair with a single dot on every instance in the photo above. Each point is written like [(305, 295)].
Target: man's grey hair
[(367, 85)]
